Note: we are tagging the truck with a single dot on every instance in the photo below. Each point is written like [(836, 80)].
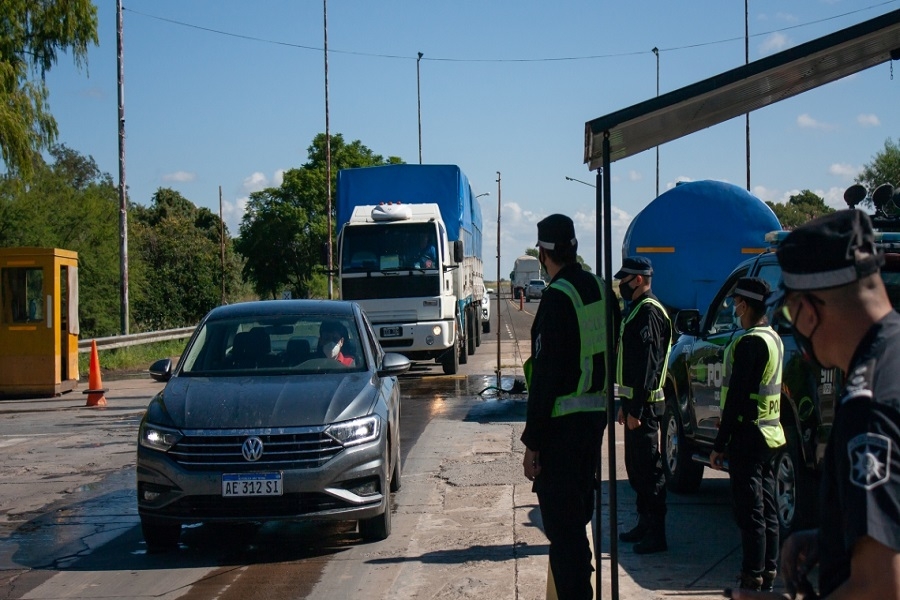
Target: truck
[(694, 382), (525, 269), (409, 252)]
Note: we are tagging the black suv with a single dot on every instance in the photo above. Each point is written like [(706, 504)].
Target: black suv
[(694, 386)]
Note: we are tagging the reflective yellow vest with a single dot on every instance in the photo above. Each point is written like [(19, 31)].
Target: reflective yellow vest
[(768, 395), (657, 395), (592, 332)]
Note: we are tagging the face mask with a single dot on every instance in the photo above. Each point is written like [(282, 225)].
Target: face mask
[(737, 318), (626, 290), (805, 344), (332, 349)]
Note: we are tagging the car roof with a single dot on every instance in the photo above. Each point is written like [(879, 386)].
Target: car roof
[(337, 308)]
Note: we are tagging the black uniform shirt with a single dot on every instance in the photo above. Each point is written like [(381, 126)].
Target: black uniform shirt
[(645, 342), (861, 480), (751, 355), (556, 357)]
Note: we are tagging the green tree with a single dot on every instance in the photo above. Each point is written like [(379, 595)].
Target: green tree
[(884, 168), (799, 209), (284, 229), (70, 204), (33, 33), (180, 244)]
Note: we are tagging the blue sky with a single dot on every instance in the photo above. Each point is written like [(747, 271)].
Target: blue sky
[(230, 93)]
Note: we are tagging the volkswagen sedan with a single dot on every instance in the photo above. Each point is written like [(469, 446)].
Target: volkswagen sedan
[(277, 410)]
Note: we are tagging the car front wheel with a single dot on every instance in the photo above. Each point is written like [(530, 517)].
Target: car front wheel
[(794, 486), (377, 528), (683, 475)]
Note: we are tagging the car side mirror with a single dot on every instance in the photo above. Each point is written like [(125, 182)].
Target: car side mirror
[(393, 364), (161, 370), (687, 321)]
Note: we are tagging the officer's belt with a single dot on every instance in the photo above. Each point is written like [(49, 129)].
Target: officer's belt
[(628, 392), (762, 423)]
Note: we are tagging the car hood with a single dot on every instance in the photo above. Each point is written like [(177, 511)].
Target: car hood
[(260, 402)]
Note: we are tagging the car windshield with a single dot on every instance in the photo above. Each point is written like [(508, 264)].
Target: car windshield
[(537, 283), (275, 345)]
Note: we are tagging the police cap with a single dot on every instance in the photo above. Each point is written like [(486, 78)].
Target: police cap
[(635, 265), (752, 288), (830, 251), (556, 232)]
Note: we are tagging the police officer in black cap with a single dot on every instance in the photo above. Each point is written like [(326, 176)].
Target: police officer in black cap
[(645, 338), (566, 376), (750, 430), (842, 316)]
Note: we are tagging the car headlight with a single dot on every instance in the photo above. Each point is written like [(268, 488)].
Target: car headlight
[(357, 431), (158, 438)]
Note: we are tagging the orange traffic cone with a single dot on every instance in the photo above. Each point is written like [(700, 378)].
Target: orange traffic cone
[(95, 389)]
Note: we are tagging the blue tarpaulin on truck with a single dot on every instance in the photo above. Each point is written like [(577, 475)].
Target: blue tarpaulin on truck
[(445, 185)]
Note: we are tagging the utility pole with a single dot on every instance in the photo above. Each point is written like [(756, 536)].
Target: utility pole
[(419, 102), (499, 286), (222, 242), (746, 62), (656, 52), (328, 158), (123, 201)]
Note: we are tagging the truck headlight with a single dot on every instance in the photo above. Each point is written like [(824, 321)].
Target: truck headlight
[(436, 330)]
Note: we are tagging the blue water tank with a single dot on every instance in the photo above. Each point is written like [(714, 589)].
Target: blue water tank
[(696, 234)]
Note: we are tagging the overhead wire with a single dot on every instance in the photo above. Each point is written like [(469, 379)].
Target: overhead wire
[(502, 60)]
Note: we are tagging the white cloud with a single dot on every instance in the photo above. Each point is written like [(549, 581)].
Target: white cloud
[(834, 197), (775, 42), (255, 182), (679, 179), (807, 122), (868, 120), (765, 194), (786, 17), (634, 175), (848, 172), (179, 176)]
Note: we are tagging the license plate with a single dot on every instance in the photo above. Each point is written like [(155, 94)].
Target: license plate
[(391, 331), (251, 484)]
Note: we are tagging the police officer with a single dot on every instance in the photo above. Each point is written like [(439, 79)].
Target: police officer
[(645, 338), (566, 417), (843, 318), (750, 429)]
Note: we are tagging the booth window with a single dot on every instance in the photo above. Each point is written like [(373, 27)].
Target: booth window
[(22, 290)]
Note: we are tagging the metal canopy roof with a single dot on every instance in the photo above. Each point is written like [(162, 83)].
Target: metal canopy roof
[(744, 89)]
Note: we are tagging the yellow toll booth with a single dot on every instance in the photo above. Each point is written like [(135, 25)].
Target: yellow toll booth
[(38, 321)]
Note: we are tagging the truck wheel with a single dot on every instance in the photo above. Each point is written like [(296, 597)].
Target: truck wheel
[(450, 361), (470, 332), (476, 325), (683, 475)]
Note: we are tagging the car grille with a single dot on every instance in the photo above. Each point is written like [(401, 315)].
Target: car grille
[(307, 449), (260, 507)]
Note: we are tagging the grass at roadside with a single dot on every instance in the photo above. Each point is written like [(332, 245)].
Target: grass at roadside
[(131, 358)]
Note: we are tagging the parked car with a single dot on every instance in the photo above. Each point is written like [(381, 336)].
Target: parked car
[(486, 310), (535, 289), (257, 423), (694, 386)]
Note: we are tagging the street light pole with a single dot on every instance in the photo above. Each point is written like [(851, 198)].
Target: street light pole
[(747, 61), (580, 181), (499, 289), (419, 102), (328, 158), (656, 52)]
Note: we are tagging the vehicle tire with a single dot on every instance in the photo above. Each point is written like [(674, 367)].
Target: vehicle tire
[(160, 534), (470, 332), (485, 327), (795, 488), (683, 475), (476, 325), (396, 481), (450, 360), (461, 343), (377, 528)]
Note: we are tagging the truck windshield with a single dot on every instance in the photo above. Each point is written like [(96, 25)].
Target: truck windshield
[(389, 247)]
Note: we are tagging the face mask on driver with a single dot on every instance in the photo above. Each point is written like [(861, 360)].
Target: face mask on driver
[(332, 349)]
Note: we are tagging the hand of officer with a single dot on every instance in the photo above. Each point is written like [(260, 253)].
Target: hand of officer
[(531, 464), (799, 554), (632, 422), (620, 417), (716, 460)]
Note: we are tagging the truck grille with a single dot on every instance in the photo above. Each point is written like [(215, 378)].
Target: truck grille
[(307, 449)]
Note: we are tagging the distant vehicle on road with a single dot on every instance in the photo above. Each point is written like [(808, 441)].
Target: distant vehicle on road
[(525, 269), (265, 419), (535, 289)]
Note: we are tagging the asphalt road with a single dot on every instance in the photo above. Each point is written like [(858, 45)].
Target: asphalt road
[(466, 524)]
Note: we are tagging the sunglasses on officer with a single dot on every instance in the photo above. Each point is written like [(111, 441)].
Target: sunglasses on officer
[(795, 300)]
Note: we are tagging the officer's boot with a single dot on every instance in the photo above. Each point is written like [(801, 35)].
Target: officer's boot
[(751, 582), (768, 581), (636, 533), (655, 538)]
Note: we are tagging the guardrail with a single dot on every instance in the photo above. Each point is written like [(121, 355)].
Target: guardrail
[(121, 341)]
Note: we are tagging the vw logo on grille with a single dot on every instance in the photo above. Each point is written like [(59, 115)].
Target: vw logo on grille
[(252, 449)]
